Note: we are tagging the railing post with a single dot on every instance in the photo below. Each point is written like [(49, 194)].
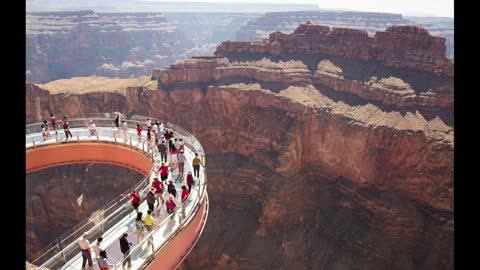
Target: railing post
[(61, 250), (33, 141), (131, 142), (115, 136), (97, 135), (143, 147), (78, 138)]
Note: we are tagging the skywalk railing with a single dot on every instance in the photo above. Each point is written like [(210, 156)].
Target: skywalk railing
[(65, 247)]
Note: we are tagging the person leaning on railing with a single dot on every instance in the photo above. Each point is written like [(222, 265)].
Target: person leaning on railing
[(85, 247), (92, 128)]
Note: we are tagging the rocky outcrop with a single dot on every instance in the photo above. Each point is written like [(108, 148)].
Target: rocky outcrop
[(315, 160), (69, 44), (287, 22), (53, 194), (407, 47)]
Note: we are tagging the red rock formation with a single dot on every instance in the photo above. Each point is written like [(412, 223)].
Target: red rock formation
[(408, 47), (314, 161)]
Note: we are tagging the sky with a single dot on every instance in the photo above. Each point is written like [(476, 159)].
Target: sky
[(442, 8)]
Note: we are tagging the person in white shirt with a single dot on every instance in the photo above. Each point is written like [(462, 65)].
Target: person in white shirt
[(85, 247), (92, 128), (155, 130), (181, 162), (97, 248), (125, 130), (149, 123)]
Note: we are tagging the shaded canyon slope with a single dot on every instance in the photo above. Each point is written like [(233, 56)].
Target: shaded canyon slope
[(58, 198), (326, 148)]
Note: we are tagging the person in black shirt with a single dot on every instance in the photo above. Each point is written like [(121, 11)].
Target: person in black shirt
[(125, 248)]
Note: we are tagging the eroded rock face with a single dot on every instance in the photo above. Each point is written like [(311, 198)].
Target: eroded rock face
[(287, 22), (315, 160), (59, 198), (69, 44)]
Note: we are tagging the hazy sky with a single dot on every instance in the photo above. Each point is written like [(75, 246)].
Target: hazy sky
[(442, 8)]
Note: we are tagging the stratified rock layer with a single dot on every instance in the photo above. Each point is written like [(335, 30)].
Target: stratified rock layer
[(68, 44), (315, 160), (287, 22)]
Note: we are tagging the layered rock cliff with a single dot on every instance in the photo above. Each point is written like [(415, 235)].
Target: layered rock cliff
[(326, 149), (370, 22), (83, 43)]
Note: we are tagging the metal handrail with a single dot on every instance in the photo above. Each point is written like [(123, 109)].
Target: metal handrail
[(190, 142), (119, 200)]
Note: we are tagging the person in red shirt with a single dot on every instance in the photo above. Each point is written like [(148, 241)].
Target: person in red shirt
[(139, 133), (158, 190), (53, 121), (189, 181), (185, 194), (135, 199), (149, 139), (163, 170)]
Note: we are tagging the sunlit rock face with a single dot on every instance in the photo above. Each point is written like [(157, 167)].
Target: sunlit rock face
[(82, 43), (321, 153), (59, 198), (370, 22)]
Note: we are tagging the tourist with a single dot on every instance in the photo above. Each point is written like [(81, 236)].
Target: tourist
[(85, 247), (189, 181), (185, 194), (139, 133), (196, 165), (149, 220), (170, 204), (117, 119), (149, 139), (177, 145), (161, 133), (125, 130), (151, 198), (47, 131), (162, 149), (53, 121), (102, 261), (155, 130), (135, 199), (171, 189), (182, 145), (163, 170), (44, 134), (149, 123), (125, 249), (181, 162), (158, 191), (97, 248), (66, 128), (168, 135), (92, 128), (173, 166), (139, 227)]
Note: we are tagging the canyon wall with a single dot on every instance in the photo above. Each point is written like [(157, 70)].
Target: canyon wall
[(321, 154), (52, 198), (83, 43), (370, 22)]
